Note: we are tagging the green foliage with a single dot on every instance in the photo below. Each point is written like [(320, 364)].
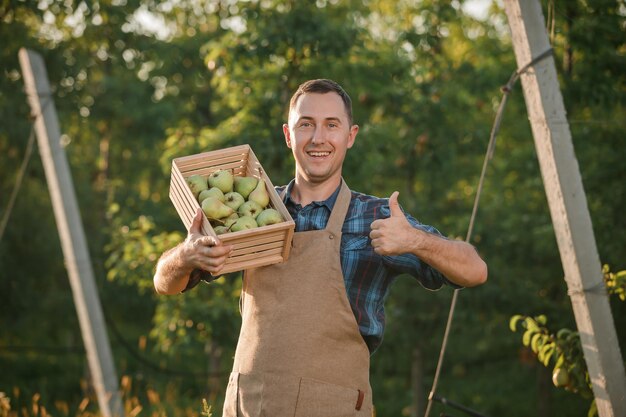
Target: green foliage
[(563, 350), (206, 408), (615, 282), (134, 249), (424, 78)]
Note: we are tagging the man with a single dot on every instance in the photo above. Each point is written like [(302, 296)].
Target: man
[(310, 324)]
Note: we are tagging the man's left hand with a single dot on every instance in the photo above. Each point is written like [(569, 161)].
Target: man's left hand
[(393, 235)]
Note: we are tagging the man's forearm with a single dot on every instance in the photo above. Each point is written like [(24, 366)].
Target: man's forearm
[(172, 275), (456, 259)]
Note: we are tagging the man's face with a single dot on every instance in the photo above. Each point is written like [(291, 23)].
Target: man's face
[(319, 135)]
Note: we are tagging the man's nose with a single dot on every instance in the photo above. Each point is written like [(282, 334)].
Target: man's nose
[(319, 136)]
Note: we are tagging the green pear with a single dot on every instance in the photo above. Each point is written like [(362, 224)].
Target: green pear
[(234, 200), (197, 183), (250, 208), (220, 230), (215, 209), (245, 185), (243, 223), (269, 216), (211, 192), (228, 221), (260, 195), (222, 179)]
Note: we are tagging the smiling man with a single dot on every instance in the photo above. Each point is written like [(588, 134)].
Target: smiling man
[(309, 325)]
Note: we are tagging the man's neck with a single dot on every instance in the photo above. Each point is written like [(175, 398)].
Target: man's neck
[(304, 192)]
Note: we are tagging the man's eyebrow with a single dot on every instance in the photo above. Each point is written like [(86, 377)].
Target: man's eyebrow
[(332, 118)]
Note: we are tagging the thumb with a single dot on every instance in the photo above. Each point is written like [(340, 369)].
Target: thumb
[(196, 223), (396, 211)]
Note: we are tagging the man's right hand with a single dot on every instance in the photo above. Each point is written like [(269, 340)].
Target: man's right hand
[(195, 252), (204, 252)]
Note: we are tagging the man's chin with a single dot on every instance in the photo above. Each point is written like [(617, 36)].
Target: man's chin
[(318, 177)]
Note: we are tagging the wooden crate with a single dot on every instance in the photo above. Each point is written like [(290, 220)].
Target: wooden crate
[(252, 248)]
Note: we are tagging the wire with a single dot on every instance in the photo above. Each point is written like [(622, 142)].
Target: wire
[(506, 90), (22, 170), (458, 406), (18, 182), (116, 332)]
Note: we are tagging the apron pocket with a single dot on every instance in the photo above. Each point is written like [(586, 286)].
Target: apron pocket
[(321, 399), (250, 395), (230, 399)]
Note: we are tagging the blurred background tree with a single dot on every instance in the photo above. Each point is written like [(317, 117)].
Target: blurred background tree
[(139, 83)]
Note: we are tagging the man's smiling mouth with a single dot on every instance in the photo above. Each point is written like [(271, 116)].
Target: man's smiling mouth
[(318, 154)]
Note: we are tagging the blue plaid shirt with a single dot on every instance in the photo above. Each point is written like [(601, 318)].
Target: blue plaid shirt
[(367, 275)]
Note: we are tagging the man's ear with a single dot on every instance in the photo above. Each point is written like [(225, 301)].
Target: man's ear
[(354, 129), (287, 135)]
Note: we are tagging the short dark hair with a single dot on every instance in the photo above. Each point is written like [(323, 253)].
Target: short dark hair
[(322, 86)]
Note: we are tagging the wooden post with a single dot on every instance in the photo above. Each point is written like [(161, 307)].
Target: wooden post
[(71, 234), (568, 208)]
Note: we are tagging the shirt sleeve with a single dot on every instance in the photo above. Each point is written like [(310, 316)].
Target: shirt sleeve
[(426, 275), (196, 276)]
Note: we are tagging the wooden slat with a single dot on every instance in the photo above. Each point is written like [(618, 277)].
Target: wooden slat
[(183, 200), (252, 235), (261, 239), (181, 206), (239, 250), (257, 255), (220, 153), (208, 170), (255, 263), (204, 163), (288, 238), (207, 158), (189, 204)]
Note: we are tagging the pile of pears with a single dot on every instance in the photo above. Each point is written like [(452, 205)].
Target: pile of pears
[(233, 203)]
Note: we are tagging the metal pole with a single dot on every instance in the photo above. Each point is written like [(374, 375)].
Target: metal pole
[(568, 208), (71, 234)]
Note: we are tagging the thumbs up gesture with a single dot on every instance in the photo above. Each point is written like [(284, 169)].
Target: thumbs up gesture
[(391, 236)]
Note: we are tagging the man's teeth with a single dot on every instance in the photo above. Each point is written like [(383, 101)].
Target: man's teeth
[(319, 153)]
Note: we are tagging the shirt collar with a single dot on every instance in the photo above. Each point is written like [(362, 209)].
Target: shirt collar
[(329, 203)]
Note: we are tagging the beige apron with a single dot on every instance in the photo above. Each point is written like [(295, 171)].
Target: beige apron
[(300, 353)]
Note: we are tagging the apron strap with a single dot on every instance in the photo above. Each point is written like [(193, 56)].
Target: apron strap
[(340, 209)]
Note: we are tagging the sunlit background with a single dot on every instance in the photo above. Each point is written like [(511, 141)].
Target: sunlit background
[(138, 83)]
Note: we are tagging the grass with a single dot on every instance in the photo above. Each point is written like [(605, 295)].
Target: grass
[(148, 403)]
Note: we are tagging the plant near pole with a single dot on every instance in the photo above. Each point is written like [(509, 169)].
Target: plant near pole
[(562, 350)]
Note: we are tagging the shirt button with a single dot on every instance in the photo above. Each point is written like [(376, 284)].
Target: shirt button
[(331, 236)]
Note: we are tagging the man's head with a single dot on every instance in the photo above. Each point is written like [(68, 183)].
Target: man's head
[(320, 131), (322, 86)]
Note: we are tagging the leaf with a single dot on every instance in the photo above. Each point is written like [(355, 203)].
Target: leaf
[(531, 324), (547, 357), (513, 322), (560, 361), (593, 409), (563, 333), (534, 341), (527, 335), (546, 353)]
